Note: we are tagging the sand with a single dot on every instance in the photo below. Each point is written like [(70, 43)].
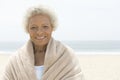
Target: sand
[(101, 67), (94, 66)]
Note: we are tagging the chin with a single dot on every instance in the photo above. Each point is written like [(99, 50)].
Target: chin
[(41, 43)]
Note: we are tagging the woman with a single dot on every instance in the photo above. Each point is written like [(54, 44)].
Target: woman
[(42, 57)]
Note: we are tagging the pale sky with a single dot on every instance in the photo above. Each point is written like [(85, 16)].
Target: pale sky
[(77, 19)]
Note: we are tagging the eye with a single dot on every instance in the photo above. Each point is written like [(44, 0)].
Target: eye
[(33, 28), (45, 27)]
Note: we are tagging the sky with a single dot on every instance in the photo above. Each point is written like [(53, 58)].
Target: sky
[(82, 20)]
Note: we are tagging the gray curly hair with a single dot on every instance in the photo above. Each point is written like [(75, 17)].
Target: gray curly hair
[(40, 10)]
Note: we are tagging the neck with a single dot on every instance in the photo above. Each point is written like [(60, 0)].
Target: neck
[(39, 49)]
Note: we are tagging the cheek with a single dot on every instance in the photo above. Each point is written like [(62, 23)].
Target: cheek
[(49, 33), (31, 34)]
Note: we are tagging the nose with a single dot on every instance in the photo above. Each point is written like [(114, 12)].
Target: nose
[(40, 30)]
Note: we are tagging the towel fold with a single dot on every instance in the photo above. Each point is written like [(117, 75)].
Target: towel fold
[(60, 63)]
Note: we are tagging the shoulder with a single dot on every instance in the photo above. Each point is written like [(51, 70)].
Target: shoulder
[(66, 49)]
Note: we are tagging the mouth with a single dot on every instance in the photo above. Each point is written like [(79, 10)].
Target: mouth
[(41, 37)]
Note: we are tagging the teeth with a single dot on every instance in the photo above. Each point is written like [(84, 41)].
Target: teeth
[(41, 37)]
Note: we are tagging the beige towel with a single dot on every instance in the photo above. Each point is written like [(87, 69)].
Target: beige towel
[(60, 63)]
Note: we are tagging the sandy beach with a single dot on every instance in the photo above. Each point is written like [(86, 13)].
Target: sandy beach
[(94, 66), (100, 67)]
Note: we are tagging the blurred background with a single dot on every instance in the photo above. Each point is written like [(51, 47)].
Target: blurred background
[(85, 25)]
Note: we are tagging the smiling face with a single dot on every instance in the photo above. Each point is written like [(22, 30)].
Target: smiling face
[(40, 29)]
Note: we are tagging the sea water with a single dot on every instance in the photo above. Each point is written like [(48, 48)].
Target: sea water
[(78, 46), (94, 45)]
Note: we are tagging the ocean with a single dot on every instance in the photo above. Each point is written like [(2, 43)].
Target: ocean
[(94, 46), (78, 46)]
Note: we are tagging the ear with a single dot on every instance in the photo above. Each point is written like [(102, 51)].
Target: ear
[(52, 27), (27, 29)]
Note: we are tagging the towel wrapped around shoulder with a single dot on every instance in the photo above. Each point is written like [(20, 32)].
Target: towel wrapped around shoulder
[(60, 63)]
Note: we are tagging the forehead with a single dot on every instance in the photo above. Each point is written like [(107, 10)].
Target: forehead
[(39, 19)]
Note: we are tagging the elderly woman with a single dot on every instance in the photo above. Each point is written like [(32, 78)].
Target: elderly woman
[(42, 57)]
